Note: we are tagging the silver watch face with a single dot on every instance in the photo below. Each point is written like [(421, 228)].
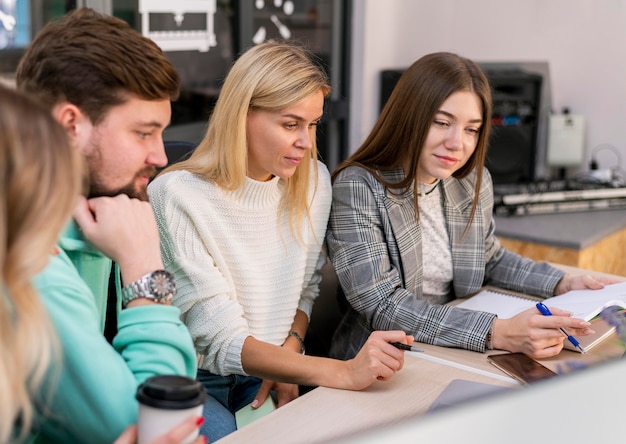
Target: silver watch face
[(162, 285), (158, 286)]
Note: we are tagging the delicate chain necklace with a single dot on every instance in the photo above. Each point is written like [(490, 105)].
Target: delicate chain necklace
[(422, 193)]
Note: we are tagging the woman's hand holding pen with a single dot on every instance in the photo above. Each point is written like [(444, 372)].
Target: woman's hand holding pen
[(378, 359), (536, 335)]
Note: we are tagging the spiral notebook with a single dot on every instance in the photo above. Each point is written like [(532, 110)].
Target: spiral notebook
[(584, 304)]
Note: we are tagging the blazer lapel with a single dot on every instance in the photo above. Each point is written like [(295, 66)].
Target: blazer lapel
[(406, 251), (468, 252)]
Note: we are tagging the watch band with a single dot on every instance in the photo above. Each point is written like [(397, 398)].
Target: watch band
[(300, 340), (158, 286)]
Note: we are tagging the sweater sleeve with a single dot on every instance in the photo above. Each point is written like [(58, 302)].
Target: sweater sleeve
[(207, 298), (93, 384)]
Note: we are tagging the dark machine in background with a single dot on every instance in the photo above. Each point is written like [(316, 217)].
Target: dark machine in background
[(514, 153), (518, 146)]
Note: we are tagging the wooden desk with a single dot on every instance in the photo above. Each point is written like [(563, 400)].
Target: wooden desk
[(581, 408), (324, 414), (328, 415), (594, 240)]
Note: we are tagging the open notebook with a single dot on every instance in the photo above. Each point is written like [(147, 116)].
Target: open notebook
[(584, 304)]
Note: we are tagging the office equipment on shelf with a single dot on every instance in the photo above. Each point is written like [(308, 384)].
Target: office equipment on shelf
[(177, 36), (516, 97), (566, 140), (557, 196), (584, 304), (521, 96)]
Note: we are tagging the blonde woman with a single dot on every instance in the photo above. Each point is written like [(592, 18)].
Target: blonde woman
[(39, 183), (40, 179), (242, 224)]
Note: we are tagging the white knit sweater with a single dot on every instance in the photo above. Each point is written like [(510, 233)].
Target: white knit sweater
[(239, 270)]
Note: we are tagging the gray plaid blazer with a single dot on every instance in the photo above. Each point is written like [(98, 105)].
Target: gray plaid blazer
[(374, 243)]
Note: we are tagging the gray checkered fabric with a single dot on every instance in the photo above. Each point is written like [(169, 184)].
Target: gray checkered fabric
[(374, 243)]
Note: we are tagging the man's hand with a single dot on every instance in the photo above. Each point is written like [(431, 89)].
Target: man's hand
[(125, 230)]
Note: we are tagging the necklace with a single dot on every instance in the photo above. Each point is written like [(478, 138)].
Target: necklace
[(426, 193)]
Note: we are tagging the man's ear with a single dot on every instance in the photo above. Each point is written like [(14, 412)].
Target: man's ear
[(70, 117)]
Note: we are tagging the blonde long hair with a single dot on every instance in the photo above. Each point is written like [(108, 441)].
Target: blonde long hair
[(39, 183), (271, 76)]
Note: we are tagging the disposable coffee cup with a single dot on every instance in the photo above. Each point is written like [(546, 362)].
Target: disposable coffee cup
[(164, 402)]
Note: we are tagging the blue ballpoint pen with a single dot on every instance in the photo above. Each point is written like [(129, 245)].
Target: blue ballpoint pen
[(546, 312)]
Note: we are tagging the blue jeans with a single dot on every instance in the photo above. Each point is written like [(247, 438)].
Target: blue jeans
[(226, 395)]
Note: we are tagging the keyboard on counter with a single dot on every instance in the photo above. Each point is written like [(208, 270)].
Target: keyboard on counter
[(557, 196)]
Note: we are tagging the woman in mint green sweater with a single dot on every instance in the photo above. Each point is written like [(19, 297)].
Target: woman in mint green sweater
[(34, 158), (55, 363), (113, 101)]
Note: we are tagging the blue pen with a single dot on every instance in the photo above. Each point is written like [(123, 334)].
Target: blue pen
[(546, 312)]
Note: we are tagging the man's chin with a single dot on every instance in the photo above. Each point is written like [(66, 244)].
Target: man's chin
[(129, 191), (141, 196)]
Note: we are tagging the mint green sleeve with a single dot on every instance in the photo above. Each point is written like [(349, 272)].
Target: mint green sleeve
[(153, 341), (93, 384)]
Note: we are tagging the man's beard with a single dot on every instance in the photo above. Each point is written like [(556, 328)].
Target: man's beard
[(97, 189)]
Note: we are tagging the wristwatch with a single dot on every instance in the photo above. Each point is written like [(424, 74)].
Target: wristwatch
[(158, 286)]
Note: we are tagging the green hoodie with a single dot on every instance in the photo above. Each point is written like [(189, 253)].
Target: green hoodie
[(92, 384)]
